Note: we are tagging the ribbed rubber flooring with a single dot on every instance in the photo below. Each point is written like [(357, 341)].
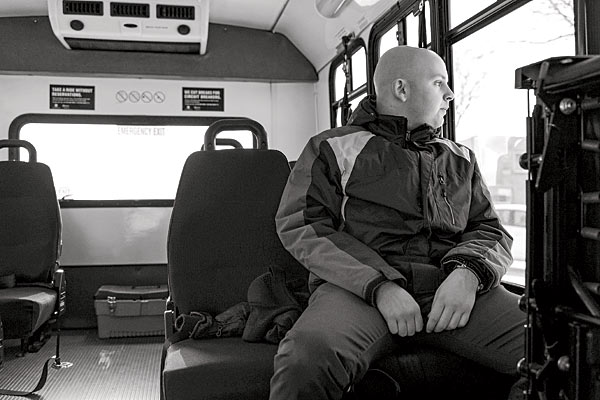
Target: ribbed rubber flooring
[(103, 369)]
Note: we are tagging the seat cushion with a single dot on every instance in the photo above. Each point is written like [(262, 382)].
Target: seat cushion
[(24, 309), (218, 369), (229, 368), (425, 372)]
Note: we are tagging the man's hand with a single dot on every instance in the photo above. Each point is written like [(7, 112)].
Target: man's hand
[(453, 301), (399, 309)]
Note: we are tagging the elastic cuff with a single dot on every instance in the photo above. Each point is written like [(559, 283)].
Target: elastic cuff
[(485, 278), (372, 288)]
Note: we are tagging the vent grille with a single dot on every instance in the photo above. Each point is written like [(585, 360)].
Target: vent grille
[(138, 10), (174, 12), (158, 47), (82, 7)]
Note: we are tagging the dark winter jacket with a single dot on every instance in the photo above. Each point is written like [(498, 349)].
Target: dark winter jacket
[(371, 202)]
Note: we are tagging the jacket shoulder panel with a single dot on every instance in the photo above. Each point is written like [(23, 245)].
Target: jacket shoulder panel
[(346, 149), (336, 133), (456, 148)]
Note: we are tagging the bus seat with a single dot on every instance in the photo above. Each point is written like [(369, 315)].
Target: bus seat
[(31, 285), (423, 372), (222, 235)]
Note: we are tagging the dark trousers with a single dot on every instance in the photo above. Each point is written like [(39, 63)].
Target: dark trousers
[(339, 335)]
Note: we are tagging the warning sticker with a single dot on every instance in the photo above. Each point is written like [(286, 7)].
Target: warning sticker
[(63, 97), (203, 99)]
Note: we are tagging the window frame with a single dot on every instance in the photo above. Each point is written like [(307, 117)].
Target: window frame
[(442, 41), (137, 120), (392, 17), (449, 37), (334, 104), (396, 14)]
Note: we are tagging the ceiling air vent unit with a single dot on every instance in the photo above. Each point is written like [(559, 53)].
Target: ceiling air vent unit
[(174, 12), (139, 10), (83, 7), (151, 25)]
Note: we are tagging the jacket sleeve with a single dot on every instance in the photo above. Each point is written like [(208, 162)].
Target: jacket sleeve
[(310, 225), (485, 244)]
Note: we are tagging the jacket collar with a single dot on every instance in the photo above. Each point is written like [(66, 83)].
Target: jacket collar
[(393, 128)]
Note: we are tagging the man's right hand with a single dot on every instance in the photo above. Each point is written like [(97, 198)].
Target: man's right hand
[(399, 309)]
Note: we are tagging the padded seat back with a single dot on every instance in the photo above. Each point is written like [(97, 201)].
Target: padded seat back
[(30, 221), (222, 233)]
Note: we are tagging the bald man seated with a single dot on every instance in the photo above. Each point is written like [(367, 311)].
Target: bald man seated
[(397, 228)]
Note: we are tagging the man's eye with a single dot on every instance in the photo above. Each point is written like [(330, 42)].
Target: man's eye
[(438, 83)]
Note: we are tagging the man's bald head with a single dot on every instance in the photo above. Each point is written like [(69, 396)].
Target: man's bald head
[(404, 79), (398, 62)]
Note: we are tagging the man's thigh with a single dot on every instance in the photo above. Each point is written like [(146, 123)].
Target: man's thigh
[(494, 335), (344, 322)]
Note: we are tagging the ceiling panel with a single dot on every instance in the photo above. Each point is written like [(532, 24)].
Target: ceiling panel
[(258, 14), (316, 36), (23, 8)]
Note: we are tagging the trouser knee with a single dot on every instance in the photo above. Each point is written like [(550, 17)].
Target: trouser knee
[(309, 363), (306, 354)]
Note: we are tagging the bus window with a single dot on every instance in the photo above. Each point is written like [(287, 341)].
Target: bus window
[(353, 104), (489, 114), (412, 27), (394, 35), (101, 161), (460, 11), (399, 26), (355, 73), (359, 68), (391, 38), (245, 138)]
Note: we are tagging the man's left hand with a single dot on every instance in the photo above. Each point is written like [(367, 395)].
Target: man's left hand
[(453, 301)]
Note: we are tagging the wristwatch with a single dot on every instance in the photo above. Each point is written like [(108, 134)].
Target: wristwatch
[(464, 266)]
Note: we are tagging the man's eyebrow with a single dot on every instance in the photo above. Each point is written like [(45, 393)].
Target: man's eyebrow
[(444, 77)]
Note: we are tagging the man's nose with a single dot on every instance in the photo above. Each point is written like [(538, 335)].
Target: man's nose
[(449, 96)]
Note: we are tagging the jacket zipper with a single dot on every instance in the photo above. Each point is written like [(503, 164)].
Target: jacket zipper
[(445, 196)]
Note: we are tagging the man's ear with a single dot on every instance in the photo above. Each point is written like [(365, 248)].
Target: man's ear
[(400, 89)]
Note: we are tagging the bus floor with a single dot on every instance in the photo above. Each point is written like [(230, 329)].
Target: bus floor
[(107, 369)]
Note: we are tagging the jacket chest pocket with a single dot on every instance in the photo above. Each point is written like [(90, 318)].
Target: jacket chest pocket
[(449, 200)]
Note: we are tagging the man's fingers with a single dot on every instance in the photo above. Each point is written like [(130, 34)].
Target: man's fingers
[(402, 328), (418, 322), (434, 316), (411, 326), (454, 321), (400, 311), (443, 321), (464, 319), (392, 326)]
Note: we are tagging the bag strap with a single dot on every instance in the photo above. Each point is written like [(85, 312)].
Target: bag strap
[(40, 384)]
